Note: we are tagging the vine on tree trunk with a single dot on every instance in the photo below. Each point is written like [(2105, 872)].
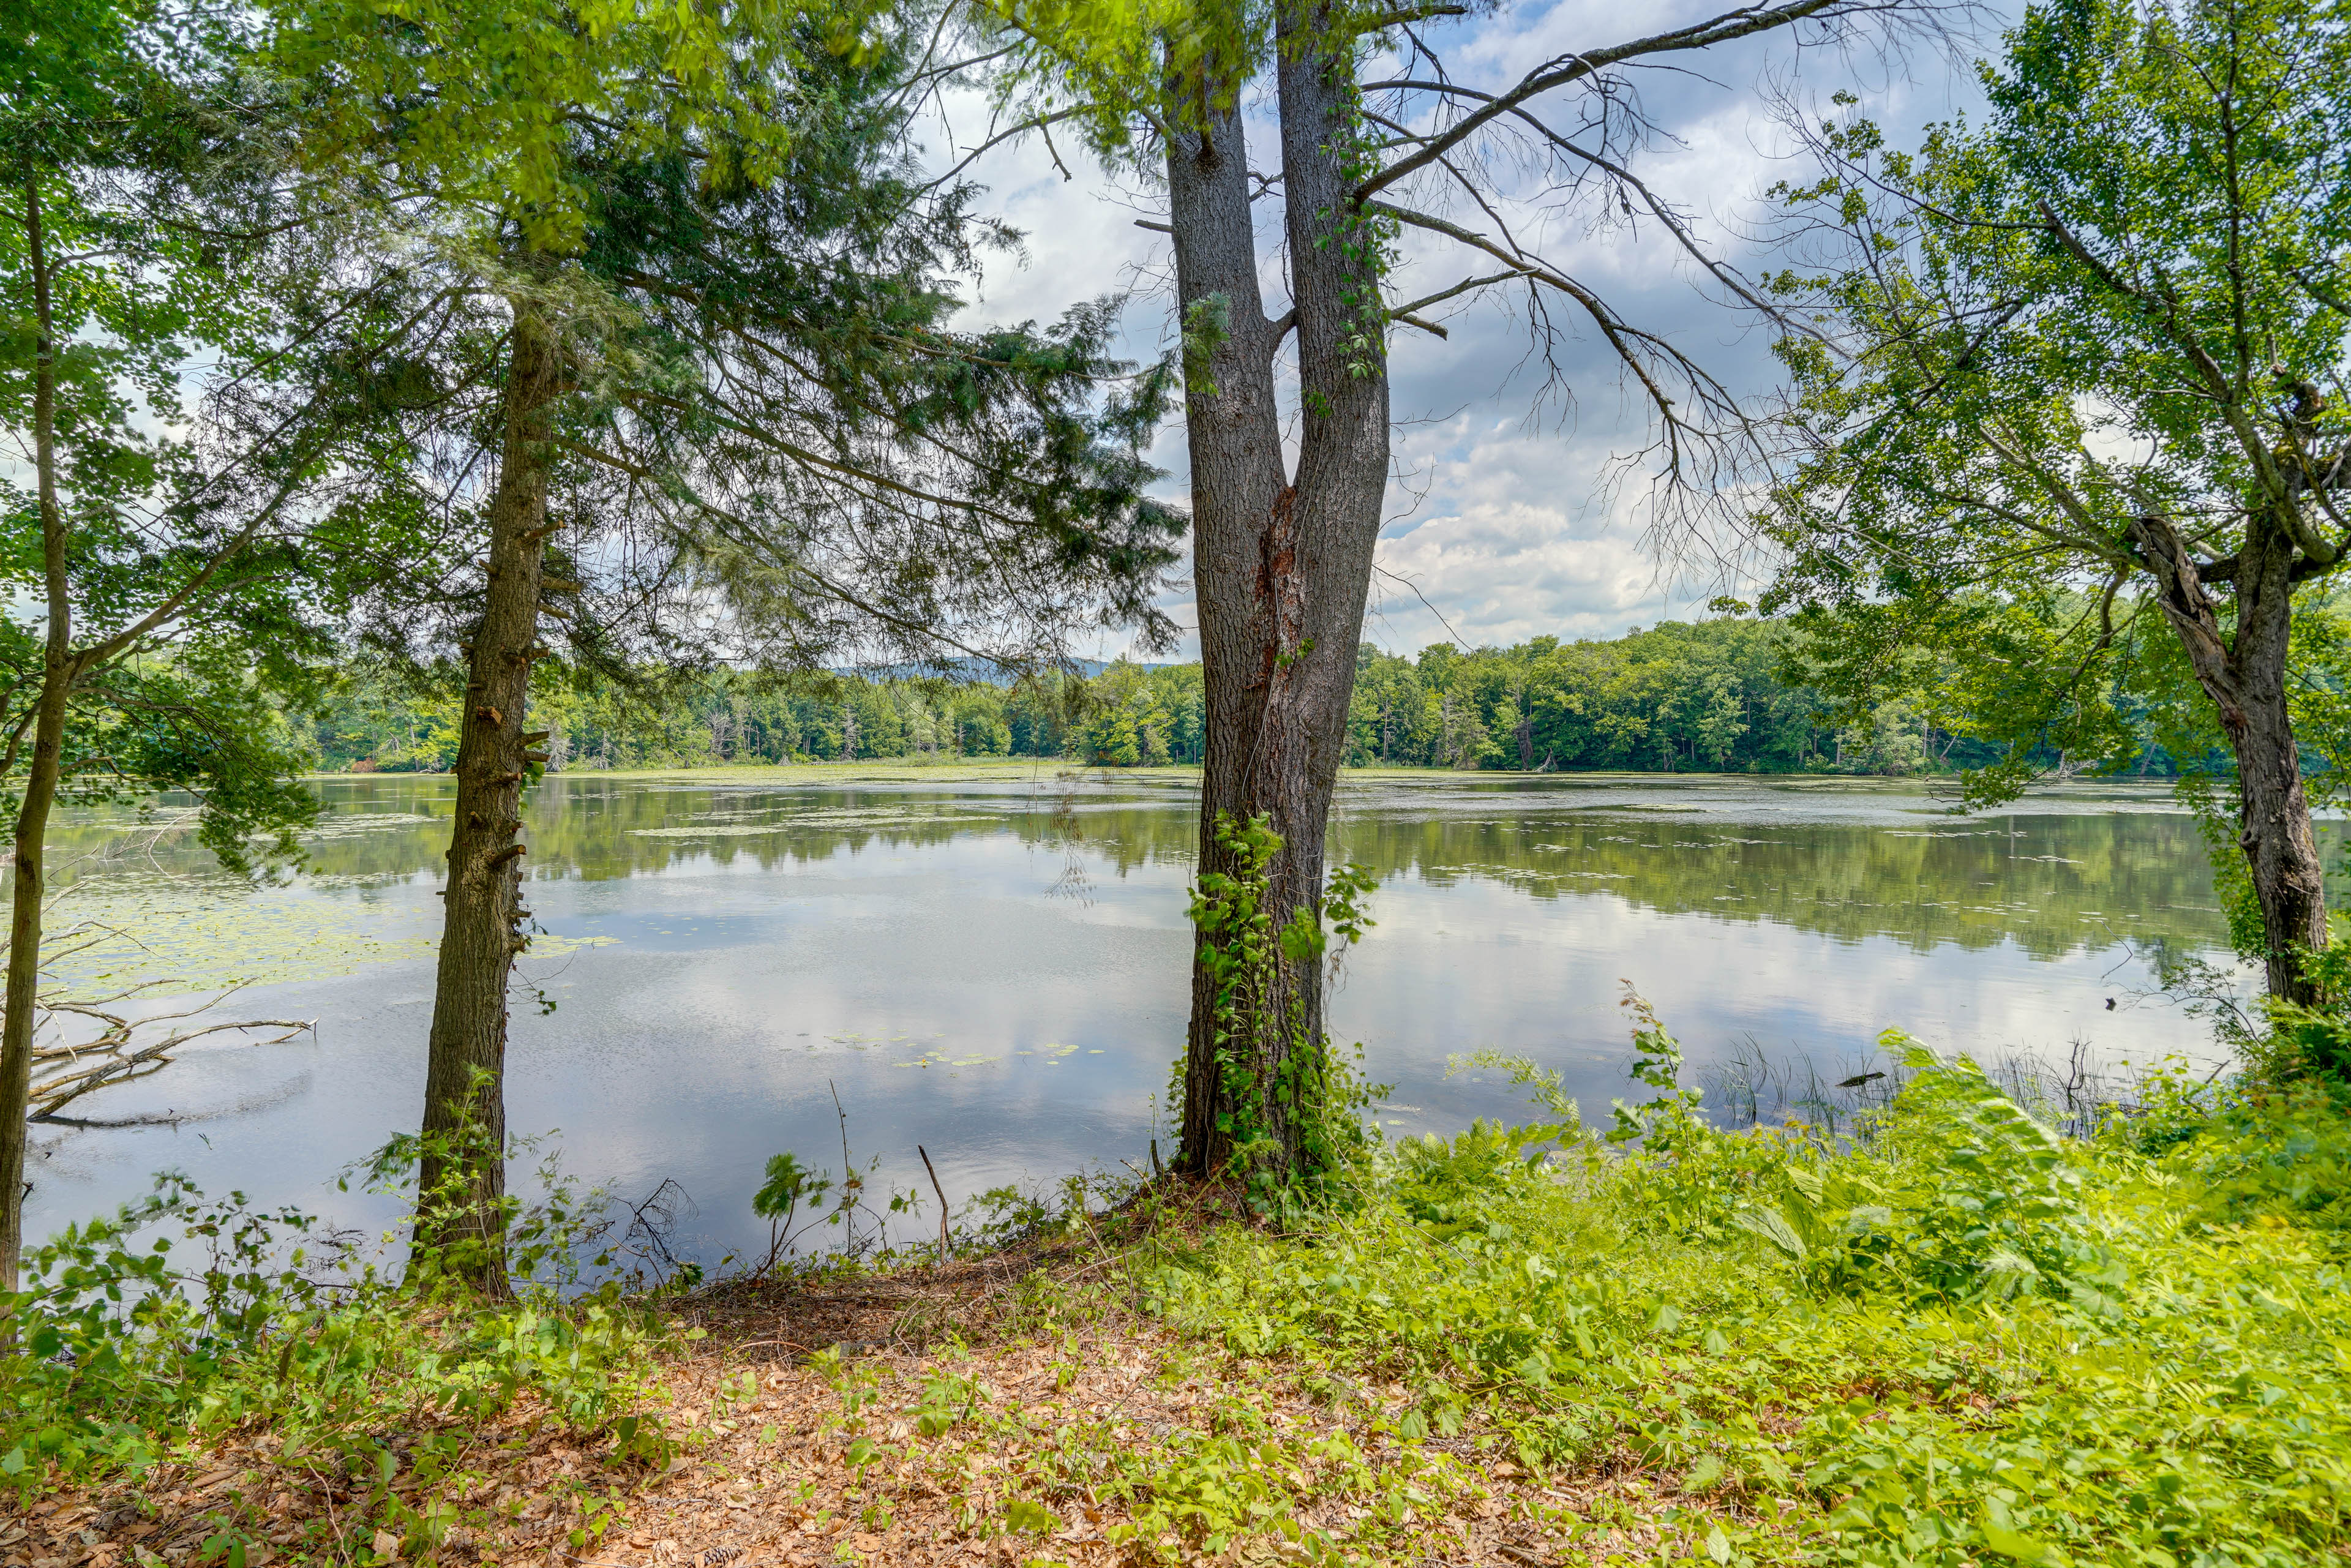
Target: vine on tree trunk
[(1366, 237), (1291, 1108)]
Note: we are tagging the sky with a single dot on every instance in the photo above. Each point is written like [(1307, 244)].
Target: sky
[(1510, 514)]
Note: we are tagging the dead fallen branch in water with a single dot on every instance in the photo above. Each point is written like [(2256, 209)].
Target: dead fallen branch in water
[(125, 1048)]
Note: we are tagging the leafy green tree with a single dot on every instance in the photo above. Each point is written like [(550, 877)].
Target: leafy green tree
[(1386, 713), (881, 732), (1721, 723), (194, 362), (1110, 740), (1730, 693), (980, 729), (696, 353), (2066, 404), (1129, 728)]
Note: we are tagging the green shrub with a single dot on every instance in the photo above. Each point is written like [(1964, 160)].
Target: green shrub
[(1448, 1182), (1956, 1194), (2283, 1157), (1954, 1339), (146, 1333)]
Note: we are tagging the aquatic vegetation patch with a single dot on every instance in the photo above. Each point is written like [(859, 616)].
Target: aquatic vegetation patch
[(711, 830), (198, 936), (180, 936), (349, 824), (882, 817)]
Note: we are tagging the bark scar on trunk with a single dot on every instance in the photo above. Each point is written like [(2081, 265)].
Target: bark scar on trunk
[(2188, 607), (1281, 586)]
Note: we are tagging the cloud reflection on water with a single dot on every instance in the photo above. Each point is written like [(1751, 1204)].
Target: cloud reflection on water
[(741, 946)]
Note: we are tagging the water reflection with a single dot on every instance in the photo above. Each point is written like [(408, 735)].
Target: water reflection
[(991, 961)]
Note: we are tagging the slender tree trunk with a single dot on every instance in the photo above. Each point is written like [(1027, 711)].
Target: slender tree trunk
[(41, 775), (2245, 678), (463, 1173), (1282, 570)]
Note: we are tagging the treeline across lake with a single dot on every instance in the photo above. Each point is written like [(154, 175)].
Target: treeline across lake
[(1718, 696)]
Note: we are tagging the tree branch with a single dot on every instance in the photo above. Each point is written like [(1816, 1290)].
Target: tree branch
[(1621, 336), (1403, 312), (1034, 122), (1404, 16), (178, 600), (2331, 300), (1563, 69)]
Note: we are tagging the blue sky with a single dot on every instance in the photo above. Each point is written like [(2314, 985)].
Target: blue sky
[(1501, 513)]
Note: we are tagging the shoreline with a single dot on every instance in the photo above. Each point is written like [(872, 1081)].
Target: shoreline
[(985, 768)]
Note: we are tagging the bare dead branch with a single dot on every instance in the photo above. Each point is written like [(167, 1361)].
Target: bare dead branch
[(1561, 70)]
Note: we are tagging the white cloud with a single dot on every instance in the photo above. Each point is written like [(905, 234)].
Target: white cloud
[(1520, 536)]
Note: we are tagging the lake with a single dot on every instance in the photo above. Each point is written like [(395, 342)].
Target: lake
[(991, 962)]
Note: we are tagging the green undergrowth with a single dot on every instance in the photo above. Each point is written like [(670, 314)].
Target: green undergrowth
[(1955, 1338), (147, 1336)]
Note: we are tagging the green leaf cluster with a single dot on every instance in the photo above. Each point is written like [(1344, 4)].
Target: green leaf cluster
[(183, 1317), (2120, 297), (1273, 1073), (1960, 1339)]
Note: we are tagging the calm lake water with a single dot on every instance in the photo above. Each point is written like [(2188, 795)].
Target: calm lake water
[(992, 963)]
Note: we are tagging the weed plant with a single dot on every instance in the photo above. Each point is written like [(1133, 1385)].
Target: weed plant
[(1949, 1336), (145, 1336)]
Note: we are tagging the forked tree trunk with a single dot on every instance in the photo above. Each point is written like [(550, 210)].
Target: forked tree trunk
[(2245, 678), (1281, 569), (58, 674), (462, 1178)]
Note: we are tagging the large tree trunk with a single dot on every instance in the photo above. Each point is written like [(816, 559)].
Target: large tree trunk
[(41, 774), (1282, 571), (1238, 489), (2245, 678), (2274, 812), (462, 1178)]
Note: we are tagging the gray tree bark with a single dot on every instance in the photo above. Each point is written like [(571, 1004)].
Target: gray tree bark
[(462, 1176), (2245, 675), (1282, 567)]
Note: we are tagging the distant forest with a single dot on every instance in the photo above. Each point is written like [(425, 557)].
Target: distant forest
[(1709, 697)]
